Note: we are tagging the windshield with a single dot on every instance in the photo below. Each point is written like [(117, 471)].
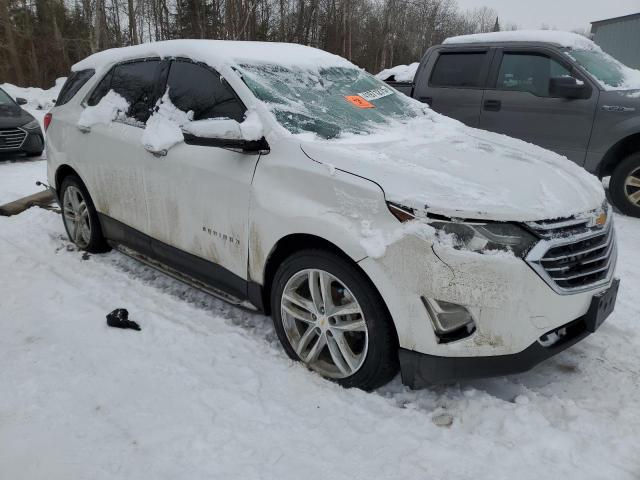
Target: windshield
[(606, 69), (329, 101), (6, 100)]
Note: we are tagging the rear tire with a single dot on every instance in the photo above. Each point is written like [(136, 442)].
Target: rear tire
[(357, 348), (624, 187), (80, 217)]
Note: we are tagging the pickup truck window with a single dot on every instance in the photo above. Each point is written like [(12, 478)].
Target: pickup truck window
[(326, 101), (528, 72), (459, 70), (605, 68)]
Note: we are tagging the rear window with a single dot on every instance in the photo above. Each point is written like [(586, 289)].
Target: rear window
[(459, 70), (74, 82)]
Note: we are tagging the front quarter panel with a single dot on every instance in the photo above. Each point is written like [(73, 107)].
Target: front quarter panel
[(293, 194), (617, 117)]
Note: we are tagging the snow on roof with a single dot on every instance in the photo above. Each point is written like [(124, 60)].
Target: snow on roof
[(400, 73), (217, 53), (563, 39)]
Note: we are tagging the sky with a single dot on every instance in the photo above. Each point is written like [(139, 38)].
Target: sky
[(560, 14)]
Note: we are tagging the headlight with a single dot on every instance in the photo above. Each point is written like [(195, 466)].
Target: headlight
[(32, 125), (481, 237)]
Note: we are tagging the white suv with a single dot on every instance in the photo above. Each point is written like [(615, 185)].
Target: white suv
[(377, 233)]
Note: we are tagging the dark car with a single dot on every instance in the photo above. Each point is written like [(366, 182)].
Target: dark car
[(19, 131)]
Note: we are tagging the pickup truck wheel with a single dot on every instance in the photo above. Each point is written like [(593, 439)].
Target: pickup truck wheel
[(328, 316), (80, 217), (624, 187)]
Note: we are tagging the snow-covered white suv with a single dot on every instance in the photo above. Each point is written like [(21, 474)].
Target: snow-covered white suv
[(377, 233)]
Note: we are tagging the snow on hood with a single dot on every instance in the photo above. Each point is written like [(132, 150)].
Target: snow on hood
[(437, 164), (400, 73), (217, 53)]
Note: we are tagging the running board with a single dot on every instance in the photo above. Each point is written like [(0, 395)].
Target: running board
[(181, 277)]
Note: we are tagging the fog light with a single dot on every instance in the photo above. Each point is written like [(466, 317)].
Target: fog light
[(450, 320)]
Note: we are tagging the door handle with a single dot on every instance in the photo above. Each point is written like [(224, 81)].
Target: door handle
[(156, 153), (492, 105), (427, 100), (84, 129)]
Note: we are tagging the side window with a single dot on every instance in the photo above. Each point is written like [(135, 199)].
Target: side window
[(136, 82), (528, 72), (75, 82), (198, 88), (101, 89), (463, 69)]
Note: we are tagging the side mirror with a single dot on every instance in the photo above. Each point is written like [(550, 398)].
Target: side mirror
[(222, 133), (21, 101), (567, 87)]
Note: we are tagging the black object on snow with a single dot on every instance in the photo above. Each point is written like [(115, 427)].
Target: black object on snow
[(119, 318)]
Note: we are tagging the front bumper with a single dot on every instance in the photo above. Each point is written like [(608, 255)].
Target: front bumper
[(420, 370)]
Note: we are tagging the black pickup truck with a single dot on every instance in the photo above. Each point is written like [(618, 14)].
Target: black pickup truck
[(554, 89)]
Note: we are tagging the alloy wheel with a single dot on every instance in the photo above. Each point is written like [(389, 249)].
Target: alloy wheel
[(324, 323), (632, 187), (76, 216)]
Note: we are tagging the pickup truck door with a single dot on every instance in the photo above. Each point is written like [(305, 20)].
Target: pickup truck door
[(452, 82), (518, 103)]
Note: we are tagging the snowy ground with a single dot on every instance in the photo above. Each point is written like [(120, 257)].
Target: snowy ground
[(204, 390)]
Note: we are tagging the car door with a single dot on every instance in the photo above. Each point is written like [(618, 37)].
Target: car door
[(198, 195), (456, 83), (520, 105), (114, 154)]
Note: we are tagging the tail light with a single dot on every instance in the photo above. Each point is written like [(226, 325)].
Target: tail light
[(47, 120)]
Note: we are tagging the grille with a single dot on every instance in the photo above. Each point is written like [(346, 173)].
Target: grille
[(574, 254), (11, 138)]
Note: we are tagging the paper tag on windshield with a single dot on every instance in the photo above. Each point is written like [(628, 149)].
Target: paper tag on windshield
[(358, 101), (376, 93)]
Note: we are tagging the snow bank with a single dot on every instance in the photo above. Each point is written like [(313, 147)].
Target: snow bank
[(37, 98), (107, 110), (205, 390), (400, 73)]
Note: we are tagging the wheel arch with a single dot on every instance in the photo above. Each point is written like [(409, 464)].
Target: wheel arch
[(619, 151), (290, 244), (62, 172)]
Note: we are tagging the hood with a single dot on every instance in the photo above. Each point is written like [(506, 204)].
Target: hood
[(11, 117), (439, 165)]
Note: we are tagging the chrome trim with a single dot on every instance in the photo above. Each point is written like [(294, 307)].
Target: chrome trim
[(536, 256), (547, 226), (11, 131)]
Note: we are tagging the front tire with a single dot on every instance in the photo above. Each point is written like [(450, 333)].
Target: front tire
[(328, 316), (624, 186), (80, 217)]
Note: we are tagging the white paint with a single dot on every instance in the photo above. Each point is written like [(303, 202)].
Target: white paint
[(337, 190)]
